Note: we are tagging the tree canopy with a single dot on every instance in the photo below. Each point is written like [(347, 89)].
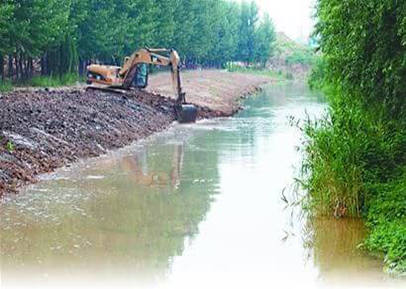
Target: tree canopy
[(66, 34), (364, 43)]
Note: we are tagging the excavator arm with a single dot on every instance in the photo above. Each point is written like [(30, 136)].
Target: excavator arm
[(151, 56)]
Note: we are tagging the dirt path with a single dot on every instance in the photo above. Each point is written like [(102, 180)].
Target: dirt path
[(217, 89), (43, 130)]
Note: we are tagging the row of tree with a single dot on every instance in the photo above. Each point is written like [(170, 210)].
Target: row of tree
[(62, 36)]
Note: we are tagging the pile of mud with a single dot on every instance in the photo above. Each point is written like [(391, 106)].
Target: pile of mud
[(43, 130)]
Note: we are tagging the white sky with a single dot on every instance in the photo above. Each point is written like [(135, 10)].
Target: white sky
[(294, 17)]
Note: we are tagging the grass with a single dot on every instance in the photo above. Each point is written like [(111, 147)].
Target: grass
[(53, 81), (43, 81), (333, 167), (261, 71), (355, 166), (386, 219), (5, 86)]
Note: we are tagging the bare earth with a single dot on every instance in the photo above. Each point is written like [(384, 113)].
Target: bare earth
[(217, 89), (42, 130)]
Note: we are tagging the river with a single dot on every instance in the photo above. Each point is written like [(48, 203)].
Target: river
[(196, 206)]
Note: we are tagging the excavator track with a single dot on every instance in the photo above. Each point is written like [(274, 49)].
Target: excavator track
[(107, 89), (185, 113)]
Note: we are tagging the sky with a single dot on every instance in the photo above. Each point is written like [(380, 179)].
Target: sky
[(290, 16)]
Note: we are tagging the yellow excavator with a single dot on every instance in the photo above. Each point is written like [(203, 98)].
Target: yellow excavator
[(134, 74)]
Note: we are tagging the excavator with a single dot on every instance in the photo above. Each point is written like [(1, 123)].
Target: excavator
[(134, 74)]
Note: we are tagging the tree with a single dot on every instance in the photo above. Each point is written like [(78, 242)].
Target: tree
[(97, 37), (365, 47), (141, 24), (69, 34), (249, 19), (225, 33), (265, 39), (33, 30), (6, 14), (165, 23), (184, 25)]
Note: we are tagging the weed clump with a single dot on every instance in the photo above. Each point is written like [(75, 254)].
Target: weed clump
[(54, 81), (386, 217), (5, 86)]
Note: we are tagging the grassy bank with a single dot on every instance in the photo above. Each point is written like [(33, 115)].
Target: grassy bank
[(42, 81), (356, 156), (355, 167), (385, 213), (262, 72)]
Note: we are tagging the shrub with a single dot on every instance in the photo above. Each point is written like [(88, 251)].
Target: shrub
[(5, 86), (304, 57), (386, 218), (54, 81)]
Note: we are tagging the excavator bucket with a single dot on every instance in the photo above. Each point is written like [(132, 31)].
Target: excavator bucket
[(186, 113)]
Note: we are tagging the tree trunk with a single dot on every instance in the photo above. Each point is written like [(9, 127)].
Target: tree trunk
[(1, 67), (61, 59), (81, 67), (17, 68), (10, 66), (20, 66), (43, 65), (47, 72), (31, 67), (25, 68)]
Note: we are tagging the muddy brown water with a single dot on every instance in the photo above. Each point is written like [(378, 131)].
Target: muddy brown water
[(197, 206)]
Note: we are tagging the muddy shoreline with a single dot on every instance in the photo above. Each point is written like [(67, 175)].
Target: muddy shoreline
[(44, 130)]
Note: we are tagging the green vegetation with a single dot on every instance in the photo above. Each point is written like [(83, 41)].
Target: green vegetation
[(43, 81), (356, 157), (292, 52), (261, 71), (59, 37), (54, 81), (293, 59), (386, 215), (305, 57), (317, 77), (10, 146), (5, 86)]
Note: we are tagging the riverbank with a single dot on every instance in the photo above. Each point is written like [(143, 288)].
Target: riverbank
[(355, 169), (42, 130), (212, 88), (356, 157)]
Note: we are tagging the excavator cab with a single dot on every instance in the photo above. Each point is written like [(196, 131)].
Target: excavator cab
[(141, 76)]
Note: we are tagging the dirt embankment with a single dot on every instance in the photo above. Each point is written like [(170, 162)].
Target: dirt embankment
[(217, 89), (43, 130)]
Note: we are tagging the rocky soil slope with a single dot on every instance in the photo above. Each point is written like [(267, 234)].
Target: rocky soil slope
[(42, 130)]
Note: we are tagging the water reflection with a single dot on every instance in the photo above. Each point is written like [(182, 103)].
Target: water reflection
[(335, 247), (137, 169), (126, 215), (197, 206)]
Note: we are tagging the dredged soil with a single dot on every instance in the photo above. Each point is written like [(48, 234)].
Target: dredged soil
[(41, 130)]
